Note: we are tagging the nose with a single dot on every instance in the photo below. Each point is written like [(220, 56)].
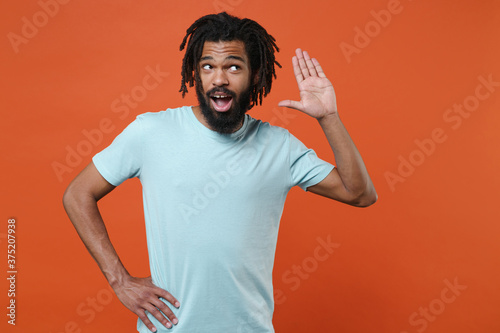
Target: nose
[(220, 78)]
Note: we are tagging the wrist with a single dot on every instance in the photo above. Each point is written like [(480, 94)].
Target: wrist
[(328, 118), (117, 277)]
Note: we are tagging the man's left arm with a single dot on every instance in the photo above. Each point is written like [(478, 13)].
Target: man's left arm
[(349, 182)]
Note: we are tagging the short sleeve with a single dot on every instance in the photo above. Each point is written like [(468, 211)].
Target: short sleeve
[(307, 169), (123, 158)]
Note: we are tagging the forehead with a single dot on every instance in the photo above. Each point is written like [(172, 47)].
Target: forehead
[(224, 49)]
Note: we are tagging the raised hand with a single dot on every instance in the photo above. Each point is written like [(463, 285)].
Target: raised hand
[(317, 96)]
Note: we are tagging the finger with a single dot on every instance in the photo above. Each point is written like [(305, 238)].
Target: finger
[(291, 104), (310, 66), (168, 296), (164, 294), (302, 63), (318, 67), (142, 316), (155, 312), (167, 311), (296, 70), (159, 309)]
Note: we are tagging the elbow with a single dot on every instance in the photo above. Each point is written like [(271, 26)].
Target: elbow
[(67, 198), (365, 199), (70, 198)]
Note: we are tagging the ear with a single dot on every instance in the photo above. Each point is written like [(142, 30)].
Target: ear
[(256, 77)]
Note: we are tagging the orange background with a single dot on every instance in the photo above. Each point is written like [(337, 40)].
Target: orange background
[(438, 222)]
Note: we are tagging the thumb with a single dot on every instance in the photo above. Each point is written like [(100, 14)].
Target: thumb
[(291, 104)]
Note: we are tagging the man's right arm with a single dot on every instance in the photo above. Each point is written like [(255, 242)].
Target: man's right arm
[(137, 294)]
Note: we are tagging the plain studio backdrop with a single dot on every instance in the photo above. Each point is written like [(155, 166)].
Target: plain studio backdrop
[(418, 87)]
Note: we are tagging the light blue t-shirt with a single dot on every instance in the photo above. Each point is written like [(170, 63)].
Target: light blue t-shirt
[(212, 206)]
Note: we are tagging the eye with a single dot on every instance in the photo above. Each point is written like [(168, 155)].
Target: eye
[(234, 68), (206, 66)]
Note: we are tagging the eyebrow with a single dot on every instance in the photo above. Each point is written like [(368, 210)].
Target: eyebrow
[(233, 57)]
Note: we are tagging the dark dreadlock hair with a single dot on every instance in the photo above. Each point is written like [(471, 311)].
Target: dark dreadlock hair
[(259, 46)]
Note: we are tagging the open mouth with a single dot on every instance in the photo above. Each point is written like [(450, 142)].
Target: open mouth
[(221, 101)]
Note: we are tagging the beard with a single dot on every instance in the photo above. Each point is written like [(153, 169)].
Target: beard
[(224, 122)]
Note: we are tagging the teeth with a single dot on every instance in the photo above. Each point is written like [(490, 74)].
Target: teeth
[(219, 96)]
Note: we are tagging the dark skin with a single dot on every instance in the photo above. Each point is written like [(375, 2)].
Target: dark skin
[(137, 294), (349, 182), (226, 65)]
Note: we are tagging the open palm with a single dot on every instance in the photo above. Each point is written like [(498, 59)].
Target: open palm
[(317, 96)]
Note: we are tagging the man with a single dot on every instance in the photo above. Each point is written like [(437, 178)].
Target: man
[(214, 184)]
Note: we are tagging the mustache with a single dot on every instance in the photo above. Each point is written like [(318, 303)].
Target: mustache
[(221, 90)]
